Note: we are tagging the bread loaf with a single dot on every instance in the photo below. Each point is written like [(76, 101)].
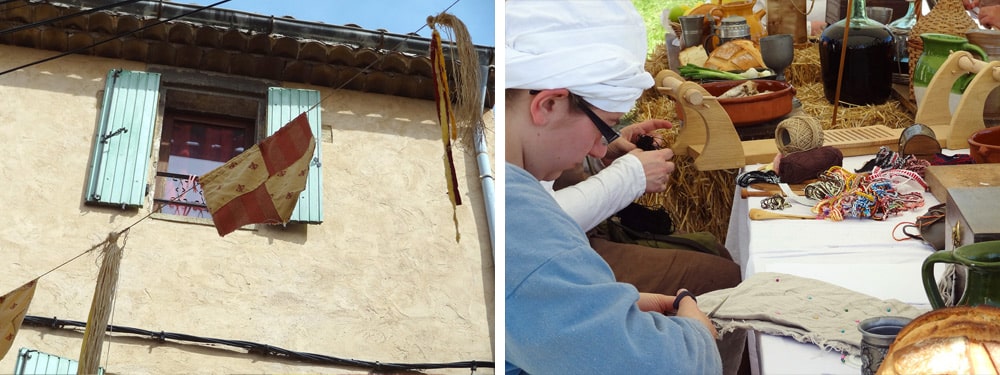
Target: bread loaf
[(694, 55), (735, 55), (954, 340)]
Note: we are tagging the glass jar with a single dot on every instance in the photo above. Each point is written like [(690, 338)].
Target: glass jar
[(868, 62), (900, 29)]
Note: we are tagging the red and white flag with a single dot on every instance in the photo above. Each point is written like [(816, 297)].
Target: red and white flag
[(262, 184), (13, 307)]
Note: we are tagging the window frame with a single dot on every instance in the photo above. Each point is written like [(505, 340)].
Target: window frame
[(250, 126)]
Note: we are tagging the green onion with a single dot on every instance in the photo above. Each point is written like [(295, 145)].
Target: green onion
[(691, 71)]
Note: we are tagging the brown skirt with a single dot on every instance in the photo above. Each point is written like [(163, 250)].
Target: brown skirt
[(664, 271)]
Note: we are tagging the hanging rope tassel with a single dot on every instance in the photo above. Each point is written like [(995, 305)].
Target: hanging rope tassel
[(467, 77), (101, 306), (448, 126)]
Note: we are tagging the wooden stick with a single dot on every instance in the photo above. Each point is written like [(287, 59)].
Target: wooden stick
[(840, 68), (747, 193), (760, 214), (774, 188)]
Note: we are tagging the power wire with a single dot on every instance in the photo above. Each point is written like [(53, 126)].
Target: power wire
[(258, 349), (77, 50), (378, 60)]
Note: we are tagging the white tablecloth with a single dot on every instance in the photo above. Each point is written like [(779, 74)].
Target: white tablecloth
[(859, 254)]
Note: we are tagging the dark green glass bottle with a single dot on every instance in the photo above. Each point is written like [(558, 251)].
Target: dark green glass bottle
[(868, 62)]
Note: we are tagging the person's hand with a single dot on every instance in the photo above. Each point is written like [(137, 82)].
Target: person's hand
[(970, 4), (657, 167), (989, 16), (629, 135), (655, 302), (688, 308), (665, 304)]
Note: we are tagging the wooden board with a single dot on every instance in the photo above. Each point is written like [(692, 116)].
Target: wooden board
[(940, 178), (874, 135), (866, 140), (902, 94)]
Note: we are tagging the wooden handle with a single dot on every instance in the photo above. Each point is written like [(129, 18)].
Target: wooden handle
[(746, 193), (759, 214)]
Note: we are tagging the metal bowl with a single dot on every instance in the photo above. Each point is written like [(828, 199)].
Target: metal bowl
[(756, 109)]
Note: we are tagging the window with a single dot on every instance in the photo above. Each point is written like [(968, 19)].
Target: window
[(191, 145), (30, 361), (206, 120)]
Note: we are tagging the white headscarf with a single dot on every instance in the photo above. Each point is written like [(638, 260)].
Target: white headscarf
[(594, 48)]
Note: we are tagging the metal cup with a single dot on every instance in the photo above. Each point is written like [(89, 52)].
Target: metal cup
[(692, 30), (877, 334), (882, 15), (732, 28)]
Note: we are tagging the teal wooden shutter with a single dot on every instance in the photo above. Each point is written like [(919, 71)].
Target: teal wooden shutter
[(124, 139), (283, 105), (31, 362)]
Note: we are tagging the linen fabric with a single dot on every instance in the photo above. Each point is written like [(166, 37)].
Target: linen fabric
[(807, 310), (262, 184), (566, 313), (596, 49)]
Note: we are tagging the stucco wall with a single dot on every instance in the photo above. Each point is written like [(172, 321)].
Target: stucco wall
[(382, 279)]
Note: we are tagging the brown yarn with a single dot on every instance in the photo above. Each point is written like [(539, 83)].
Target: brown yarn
[(947, 17), (798, 167), (798, 133)]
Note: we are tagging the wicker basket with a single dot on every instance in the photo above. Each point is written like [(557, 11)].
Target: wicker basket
[(947, 17)]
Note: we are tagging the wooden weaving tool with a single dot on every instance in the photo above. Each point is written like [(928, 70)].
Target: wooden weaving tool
[(705, 123), (953, 129)]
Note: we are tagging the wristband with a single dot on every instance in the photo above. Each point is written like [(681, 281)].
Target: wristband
[(680, 296)]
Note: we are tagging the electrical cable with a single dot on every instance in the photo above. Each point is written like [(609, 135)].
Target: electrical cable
[(256, 348), (65, 16), (77, 50)]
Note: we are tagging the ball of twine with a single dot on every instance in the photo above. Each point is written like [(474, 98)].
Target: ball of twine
[(798, 133)]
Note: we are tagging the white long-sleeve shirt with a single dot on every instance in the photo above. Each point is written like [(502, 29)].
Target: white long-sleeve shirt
[(598, 197)]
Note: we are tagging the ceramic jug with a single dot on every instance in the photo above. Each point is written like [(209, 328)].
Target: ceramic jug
[(937, 48), (743, 9), (982, 285)]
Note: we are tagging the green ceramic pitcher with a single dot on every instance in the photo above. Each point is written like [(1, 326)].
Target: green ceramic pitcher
[(982, 262), (937, 48)]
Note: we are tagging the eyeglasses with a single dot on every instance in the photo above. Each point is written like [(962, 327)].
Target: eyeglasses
[(609, 133)]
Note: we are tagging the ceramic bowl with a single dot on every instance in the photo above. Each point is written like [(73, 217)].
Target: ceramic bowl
[(756, 109), (984, 145)]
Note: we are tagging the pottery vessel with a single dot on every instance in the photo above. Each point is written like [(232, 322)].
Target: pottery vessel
[(937, 48), (743, 9), (982, 286), (984, 145)]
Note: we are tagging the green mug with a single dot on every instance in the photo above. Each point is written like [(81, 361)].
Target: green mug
[(982, 263)]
